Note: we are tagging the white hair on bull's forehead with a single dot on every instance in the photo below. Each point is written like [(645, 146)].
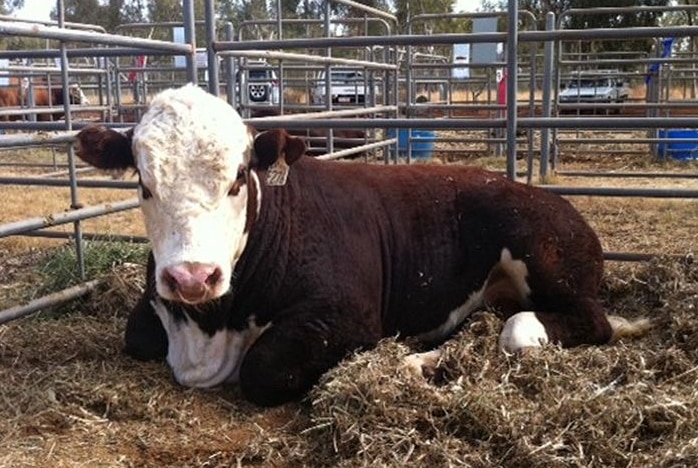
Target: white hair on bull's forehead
[(190, 138)]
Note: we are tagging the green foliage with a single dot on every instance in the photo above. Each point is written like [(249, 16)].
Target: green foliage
[(592, 21), (111, 13), (405, 10), (8, 6), (60, 270), (615, 21), (21, 43), (11, 42), (108, 14)]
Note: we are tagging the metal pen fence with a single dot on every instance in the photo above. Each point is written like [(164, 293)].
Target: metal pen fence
[(400, 71)]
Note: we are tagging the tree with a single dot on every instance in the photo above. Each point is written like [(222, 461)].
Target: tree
[(591, 21), (8, 6), (405, 10), (252, 10), (615, 21), (106, 13)]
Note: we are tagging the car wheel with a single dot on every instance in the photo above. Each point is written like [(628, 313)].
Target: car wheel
[(258, 93)]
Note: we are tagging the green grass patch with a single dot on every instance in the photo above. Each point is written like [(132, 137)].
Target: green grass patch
[(60, 268)]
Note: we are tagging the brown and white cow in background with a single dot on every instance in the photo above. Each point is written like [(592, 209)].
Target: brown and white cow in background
[(269, 267), (43, 97)]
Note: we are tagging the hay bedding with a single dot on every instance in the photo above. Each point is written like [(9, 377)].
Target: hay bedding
[(69, 397)]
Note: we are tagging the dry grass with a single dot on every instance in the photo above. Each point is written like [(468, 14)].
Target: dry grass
[(642, 225), (22, 202), (71, 398), (632, 404)]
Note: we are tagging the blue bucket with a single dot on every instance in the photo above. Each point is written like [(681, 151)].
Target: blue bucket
[(683, 150), (422, 142)]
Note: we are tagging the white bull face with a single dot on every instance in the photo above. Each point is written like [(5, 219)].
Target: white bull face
[(191, 150)]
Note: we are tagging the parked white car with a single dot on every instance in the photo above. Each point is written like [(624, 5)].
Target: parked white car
[(347, 86), (595, 89)]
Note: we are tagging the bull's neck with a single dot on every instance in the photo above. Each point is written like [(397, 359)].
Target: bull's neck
[(270, 228)]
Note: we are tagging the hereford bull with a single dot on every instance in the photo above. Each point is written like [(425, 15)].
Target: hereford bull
[(43, 97), (268, 267)]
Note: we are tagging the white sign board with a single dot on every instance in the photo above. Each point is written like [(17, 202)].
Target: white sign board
[(4, 78), (178, 37), (202, 59), (461, 56), (180, 61), (484, 52)]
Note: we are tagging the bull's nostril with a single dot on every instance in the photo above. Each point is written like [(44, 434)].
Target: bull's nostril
[(190, 281), (170, 280), (214, 277)]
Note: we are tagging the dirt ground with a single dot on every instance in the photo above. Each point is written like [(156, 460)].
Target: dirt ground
[(70, 397)]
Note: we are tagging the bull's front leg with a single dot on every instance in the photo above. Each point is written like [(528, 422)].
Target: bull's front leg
[(145, 336), (289, 358)]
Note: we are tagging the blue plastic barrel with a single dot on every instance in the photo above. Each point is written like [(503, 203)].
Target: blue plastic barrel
[(422, 142), (682, 150)]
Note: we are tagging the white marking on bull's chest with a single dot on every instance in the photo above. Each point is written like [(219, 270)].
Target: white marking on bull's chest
[(201, 360), (514, 271), (517, 272), (474, 302)]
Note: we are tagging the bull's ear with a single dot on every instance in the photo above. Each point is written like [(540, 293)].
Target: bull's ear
[(105, 148), (271, 145)]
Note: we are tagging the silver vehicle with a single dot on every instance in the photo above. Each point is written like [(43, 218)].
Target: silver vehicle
[(346, 87), (599, 88)]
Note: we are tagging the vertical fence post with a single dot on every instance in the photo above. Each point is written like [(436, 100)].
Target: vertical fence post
[(74, 202), (512, 84), (190, 38), (229, 62), (548, 52), (212, 65)]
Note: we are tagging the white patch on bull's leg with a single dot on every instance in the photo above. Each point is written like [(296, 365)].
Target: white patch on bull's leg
[(201, 360), (189, 147), (517, 271), (474, 302), (421, 365), (522, 330)]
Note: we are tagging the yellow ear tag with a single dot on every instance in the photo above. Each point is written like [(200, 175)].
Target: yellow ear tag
[(278, 173)]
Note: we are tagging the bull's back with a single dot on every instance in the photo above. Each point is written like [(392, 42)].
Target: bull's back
[(418, 240)]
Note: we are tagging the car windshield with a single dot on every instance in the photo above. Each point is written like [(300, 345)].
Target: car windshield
[(346, 75), (589, 83), (258, 74)]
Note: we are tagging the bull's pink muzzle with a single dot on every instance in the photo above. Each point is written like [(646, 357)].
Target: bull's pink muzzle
[(192, 282)]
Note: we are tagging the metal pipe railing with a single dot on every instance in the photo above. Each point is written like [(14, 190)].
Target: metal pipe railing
[(32, 224)]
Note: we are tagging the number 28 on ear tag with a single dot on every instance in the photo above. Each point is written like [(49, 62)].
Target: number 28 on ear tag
[(277, 173)]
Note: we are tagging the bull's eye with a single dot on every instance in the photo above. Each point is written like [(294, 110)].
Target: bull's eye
[(240, 180), (235, 188), (145, 192)]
